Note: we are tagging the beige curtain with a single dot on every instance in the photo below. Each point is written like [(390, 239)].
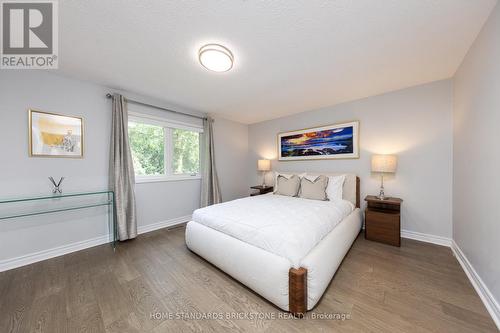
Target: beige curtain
[(210, 191), (121, 171)]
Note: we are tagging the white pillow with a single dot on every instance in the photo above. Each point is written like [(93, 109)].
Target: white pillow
[(334, 188)]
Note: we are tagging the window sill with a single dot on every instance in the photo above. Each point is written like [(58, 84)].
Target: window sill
[(143, 180)]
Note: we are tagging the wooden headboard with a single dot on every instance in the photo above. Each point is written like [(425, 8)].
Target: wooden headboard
[(358, 195)]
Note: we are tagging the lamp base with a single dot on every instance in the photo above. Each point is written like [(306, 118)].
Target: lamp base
[(381, 195)]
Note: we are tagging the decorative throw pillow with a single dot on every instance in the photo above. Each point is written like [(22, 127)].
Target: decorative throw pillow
[(311, 177), (314, 189), (335, 187), (288, 186), (287, 176)]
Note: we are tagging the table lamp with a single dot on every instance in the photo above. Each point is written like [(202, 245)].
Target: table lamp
[(384, 164), (264, 166)]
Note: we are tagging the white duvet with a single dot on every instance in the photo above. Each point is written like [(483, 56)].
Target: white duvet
[(287, 226)]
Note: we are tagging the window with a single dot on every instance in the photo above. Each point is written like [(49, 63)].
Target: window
[(147, 143), (186, 154), (163, 150)]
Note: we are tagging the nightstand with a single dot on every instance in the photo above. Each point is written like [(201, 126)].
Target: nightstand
[(383, 220), (261, 189)]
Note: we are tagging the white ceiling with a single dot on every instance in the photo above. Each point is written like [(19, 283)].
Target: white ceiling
[(290, 56)]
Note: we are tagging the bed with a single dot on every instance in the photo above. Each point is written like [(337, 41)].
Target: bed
[(285, 249)]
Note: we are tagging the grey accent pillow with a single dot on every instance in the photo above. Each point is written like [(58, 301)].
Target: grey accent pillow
[(315, 190), (288, 186)]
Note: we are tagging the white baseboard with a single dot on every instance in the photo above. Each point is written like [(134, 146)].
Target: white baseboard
[(51, 253), (439, 240), (163, 224), (484, 293), (81, 245)]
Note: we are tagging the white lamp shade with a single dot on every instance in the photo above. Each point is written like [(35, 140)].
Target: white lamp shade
[(384, 163), (263, 165)]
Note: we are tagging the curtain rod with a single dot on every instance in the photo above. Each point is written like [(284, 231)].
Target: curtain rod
[(160, 108)]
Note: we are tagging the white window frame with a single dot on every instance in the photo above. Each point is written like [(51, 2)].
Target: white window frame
[(168, 126)]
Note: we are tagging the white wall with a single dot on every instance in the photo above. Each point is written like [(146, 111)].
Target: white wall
[(476, 157), (231, 157), (21, 175), (414, 123)]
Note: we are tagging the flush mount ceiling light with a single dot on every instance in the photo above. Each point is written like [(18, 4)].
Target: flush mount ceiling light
[(216, 58)]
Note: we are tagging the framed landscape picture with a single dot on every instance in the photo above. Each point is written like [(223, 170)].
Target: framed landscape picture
[(55, 135), (327, 142)]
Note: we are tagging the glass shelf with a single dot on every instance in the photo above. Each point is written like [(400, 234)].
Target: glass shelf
[(54, 196), (15, 208)]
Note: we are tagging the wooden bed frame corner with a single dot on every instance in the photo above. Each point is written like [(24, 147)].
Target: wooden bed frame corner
[(297, 280), (297, 291)]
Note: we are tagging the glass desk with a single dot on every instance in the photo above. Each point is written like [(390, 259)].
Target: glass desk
[(51, 204)]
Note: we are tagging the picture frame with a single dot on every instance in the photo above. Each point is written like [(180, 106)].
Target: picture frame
[(336, 141), (55, 135)]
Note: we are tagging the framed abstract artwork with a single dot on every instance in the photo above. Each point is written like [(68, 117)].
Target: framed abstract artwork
[(336, 141), (55, 135)]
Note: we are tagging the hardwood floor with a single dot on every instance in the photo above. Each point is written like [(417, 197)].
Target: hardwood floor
[(416, 288)]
